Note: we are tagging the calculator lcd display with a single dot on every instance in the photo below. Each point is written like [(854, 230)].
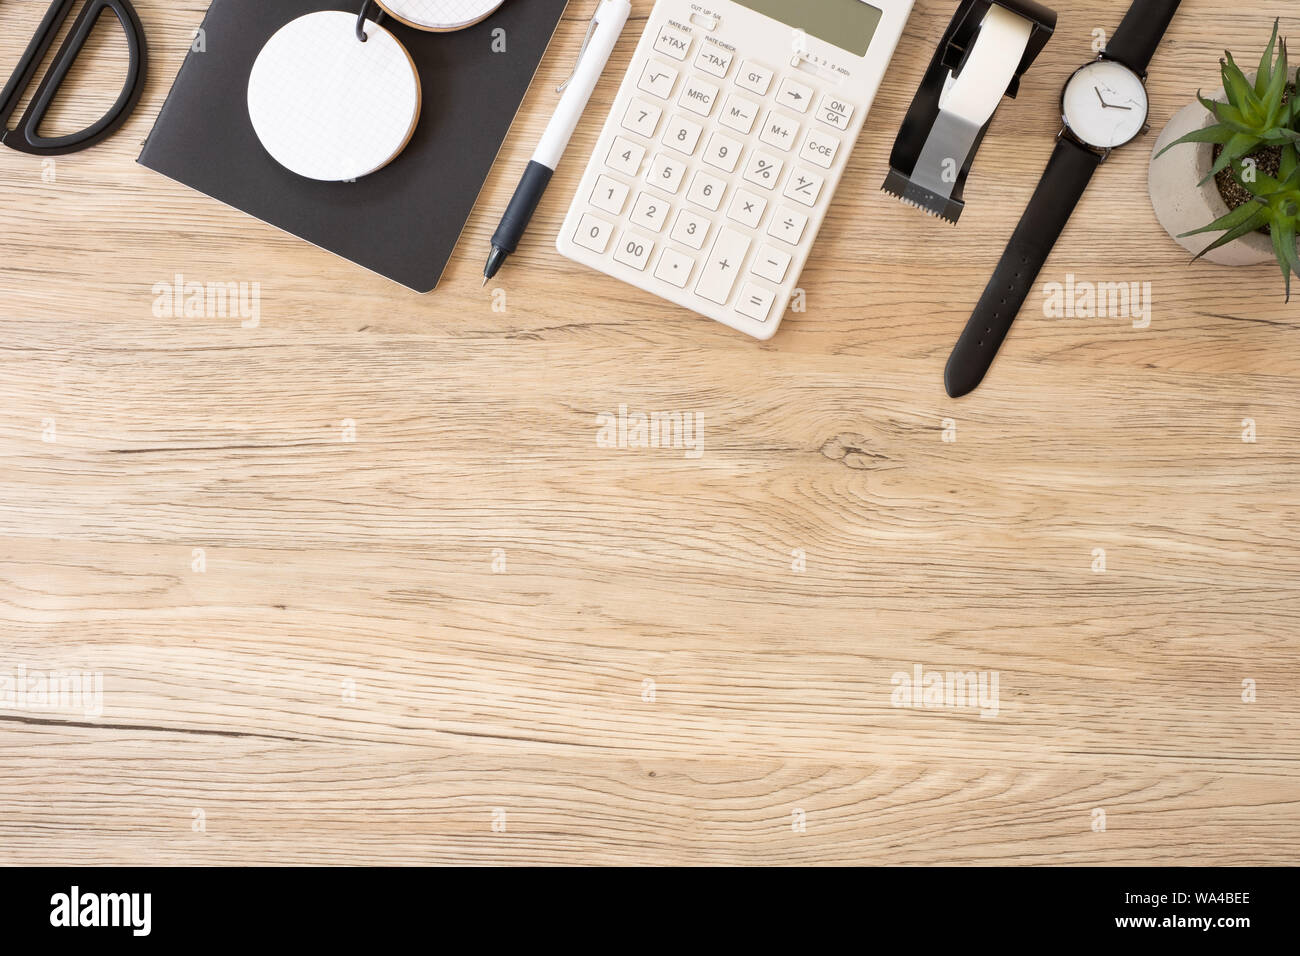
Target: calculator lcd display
[(848, 24)]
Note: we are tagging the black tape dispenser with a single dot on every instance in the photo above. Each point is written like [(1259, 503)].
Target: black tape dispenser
[(26, 136), (987, 48)]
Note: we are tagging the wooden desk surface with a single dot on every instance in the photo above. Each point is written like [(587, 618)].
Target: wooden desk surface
[(471, 634)]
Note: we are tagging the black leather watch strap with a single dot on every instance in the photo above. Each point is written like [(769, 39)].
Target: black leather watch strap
[(1059, 191), (1138, 35)]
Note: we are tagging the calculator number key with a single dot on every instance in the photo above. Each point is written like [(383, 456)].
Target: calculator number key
[(593, 233), (609, 195), (779, 131), (642, 117), (763, 169), (649, 212), (674, 268), (713, 60), (634, 251), (738, 113), (698, 96), (682, 135), (657, 79), (706, 191), (834, 111), (723, 152), (754, 77), (794, 95), (804, 186), (625, 156), (747, 208), (755, 301), (673, 42), (771, 264), (819, 148), (690, 229), (787, 225), (666, 173), (723, 265)]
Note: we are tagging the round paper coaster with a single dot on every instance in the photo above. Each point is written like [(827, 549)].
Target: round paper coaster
[(328, 106), (441, 15)]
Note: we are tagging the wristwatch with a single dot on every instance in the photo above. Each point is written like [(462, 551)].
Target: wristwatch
[(1104, 106)]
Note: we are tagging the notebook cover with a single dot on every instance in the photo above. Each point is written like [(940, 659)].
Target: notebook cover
[(402, 221)]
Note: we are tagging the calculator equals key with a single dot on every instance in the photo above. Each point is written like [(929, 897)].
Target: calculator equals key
[(724, 148)]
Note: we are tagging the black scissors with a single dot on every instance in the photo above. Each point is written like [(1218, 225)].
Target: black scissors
[(25, 136)]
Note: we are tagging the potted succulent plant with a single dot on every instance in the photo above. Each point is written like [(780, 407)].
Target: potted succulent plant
[(1235, 171)]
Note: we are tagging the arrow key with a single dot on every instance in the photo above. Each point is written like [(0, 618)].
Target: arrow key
[(794, 95)]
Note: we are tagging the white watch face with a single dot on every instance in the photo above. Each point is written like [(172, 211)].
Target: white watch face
[(1105, 104)]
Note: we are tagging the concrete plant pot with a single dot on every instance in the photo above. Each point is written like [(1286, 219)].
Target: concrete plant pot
[(1182, 204)]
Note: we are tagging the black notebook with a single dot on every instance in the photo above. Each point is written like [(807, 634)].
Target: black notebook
[(402, 221)]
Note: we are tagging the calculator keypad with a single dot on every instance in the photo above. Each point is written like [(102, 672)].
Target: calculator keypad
[(717, 175)]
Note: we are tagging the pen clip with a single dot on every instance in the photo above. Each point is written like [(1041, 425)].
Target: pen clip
[(591, 28)]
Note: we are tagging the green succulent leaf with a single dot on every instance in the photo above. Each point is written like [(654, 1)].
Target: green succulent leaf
[(1280, 243), (1210, 134), (1274, 94), (1252, 224), (1232, 220), (1266, 63), (1240, 145), (1239, 91)]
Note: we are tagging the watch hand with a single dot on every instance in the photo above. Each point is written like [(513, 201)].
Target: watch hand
[(1097, 90)]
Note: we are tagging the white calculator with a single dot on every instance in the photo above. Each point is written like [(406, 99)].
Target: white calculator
[(724, 147)]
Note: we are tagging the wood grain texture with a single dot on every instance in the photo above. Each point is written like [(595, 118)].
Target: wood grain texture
[(348, 680)]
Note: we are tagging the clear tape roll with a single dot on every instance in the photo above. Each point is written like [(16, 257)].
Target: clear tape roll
[(989, 69)]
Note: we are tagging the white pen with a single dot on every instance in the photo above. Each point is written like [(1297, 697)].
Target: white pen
[(602, 34)]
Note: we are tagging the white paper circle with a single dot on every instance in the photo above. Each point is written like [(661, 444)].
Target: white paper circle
[(441, 15), (329, 107)]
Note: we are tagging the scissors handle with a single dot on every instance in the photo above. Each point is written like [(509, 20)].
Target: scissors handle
[(25, 136)]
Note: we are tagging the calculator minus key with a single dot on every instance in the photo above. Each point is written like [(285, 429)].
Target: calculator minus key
[(674, 268), (657, 79), (593, 233), (641, 117), (718, 277), (755, 301), (770, 263)]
